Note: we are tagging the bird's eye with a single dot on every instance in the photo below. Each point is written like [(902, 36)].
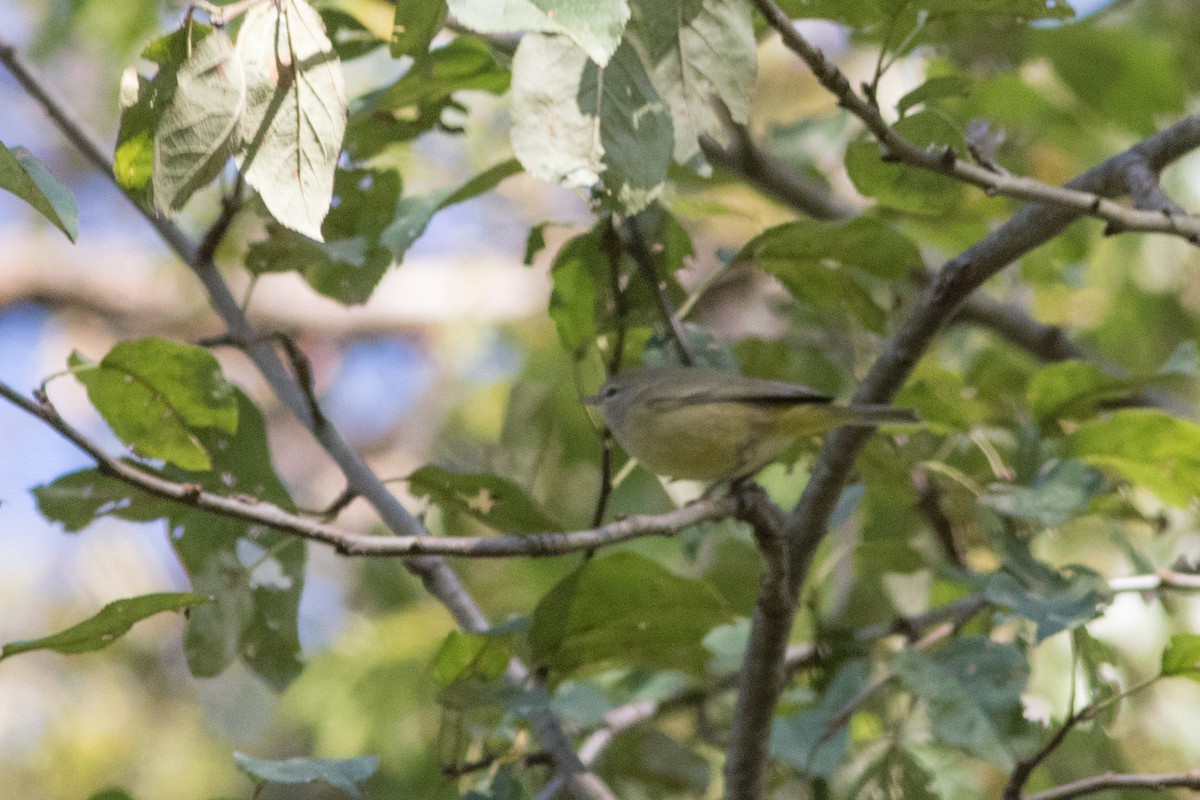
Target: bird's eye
[(608, 391)]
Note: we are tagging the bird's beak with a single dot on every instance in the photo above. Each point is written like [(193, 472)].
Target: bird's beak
[(590, 399)]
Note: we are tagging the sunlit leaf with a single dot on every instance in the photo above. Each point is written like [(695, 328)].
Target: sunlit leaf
[(595, 26), (1149, 447), (702, 56), (109, 624), (1182, 656), (414, 26), (577, 124), (863, 243), (201, 127), (295, 112)]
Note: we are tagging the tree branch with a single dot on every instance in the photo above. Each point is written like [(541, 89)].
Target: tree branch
[(1083, 201), (357, 544), (1109, 780), (636, 244), (938, 303), (438, 578)]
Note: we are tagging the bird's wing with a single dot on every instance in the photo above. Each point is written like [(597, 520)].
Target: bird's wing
[(759, 392)]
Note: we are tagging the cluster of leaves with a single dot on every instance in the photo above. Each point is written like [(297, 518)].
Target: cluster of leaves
[(617, 99)]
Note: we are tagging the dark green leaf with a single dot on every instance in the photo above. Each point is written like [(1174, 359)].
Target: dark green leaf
[(627, 608), (346, 774), (1055, 601), (651, 758), (1059, 494), (112, 794), (933, 89), (814, 741), (1148, 447), (158, 395), (415, 102), (1182, 656), (494, 501), (78, 498), (415, 24), (535, 242), (28, 179), (111, 623), (501, 786), (960, 716), (574, 296), (862, 243), (916, 191), (834, 292)]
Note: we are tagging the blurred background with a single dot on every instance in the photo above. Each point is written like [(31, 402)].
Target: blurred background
[(452, 361)]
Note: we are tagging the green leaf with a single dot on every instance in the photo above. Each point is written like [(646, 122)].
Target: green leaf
[(806, 740), (494, 501), (1055, 601), (295, 112), (111, 794), (1072, 390), (1123, 76), (833, 292), (200, 129), (862, 243), (351, 39), (111, 623), (625, 607), (964, 694), (157, 395), (595, 26), (576, 123), (651, 758), (1058, 495), (1182, 656), (470, 656), (574, 294), (501, 786), (415, 103), (910, 189), (256, 574), (76, 499), (28, 179), (1149, 447), (346, 774), (1020, 10), (414, 26), (702, 56), (933, 89), (143, 103)]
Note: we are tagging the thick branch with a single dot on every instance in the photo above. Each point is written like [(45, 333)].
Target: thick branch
[(939, 302), (357, 544)]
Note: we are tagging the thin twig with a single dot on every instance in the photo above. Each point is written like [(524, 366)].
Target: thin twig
[(945, 161), (636, 243), (1110, 780)]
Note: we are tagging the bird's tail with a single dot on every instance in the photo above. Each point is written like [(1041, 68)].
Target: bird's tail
[(872, 415)]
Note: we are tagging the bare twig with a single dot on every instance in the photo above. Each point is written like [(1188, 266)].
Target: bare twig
[(1110, 780), (1083, 201), (636, 243)]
